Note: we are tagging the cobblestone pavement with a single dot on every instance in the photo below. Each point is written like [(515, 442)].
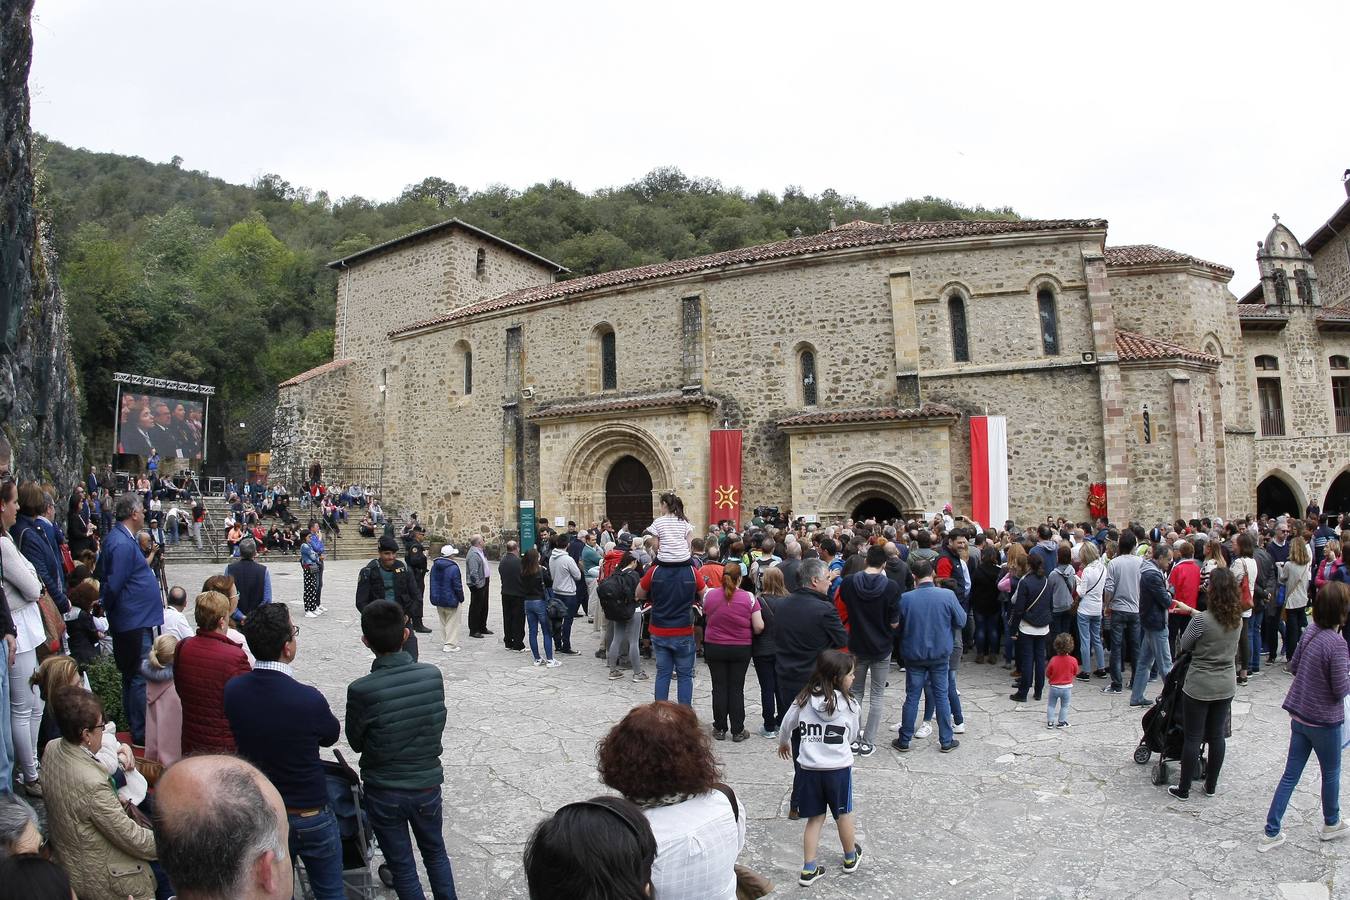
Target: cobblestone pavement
[(1017, 811)]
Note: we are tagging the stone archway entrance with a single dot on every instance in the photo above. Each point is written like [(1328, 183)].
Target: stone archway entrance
[(878, 508), (1275, 496), (1338, 495), (628, 494), (870, 486)]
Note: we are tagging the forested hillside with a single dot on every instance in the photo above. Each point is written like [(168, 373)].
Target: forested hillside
[(174, 273)]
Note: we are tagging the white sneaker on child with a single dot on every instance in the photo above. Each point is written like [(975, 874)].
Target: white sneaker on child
[(924, 730), (958, 728)]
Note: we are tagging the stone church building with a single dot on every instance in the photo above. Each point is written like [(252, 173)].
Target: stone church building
[(470, 375)]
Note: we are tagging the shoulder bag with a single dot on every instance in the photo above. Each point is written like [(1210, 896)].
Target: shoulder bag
[(53, 623), (750, 885)]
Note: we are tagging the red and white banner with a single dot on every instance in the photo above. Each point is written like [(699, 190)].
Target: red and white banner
[(989, 470), (724, 476)]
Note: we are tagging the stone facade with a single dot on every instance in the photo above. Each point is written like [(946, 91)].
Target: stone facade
[(495, 389)]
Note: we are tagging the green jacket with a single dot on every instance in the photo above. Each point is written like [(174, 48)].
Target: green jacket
[(395, 719)]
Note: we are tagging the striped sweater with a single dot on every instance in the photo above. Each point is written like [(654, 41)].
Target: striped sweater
[(1321, 667)]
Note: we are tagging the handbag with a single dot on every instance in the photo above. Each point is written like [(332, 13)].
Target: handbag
[(53, 627), (750, 885), (67, 561)]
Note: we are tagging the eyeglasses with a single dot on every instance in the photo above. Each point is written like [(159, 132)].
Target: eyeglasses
[(295, 630)]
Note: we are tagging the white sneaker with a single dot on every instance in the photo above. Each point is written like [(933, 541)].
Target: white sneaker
[(453, 648), (924, 730), (958, 728), (1269, 843), (311, 615), (538, 662), (322, 608), (1331, 832), (553, 664)]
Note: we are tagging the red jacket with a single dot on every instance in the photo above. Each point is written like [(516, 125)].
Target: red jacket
[(1185, 581), (201, 666)]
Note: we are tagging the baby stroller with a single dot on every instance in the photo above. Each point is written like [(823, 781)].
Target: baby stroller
[(1162, 725), (358, 840)]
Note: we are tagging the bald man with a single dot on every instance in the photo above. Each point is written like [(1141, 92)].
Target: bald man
[(221, 831)]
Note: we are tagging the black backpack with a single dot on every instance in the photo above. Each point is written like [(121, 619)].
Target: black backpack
[(616, 597)]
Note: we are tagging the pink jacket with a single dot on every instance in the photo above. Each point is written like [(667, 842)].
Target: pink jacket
[(163, 717)]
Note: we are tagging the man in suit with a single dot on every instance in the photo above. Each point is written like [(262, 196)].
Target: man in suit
[(131, 600)]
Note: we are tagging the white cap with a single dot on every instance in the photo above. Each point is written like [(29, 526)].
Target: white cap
[(448, 550)]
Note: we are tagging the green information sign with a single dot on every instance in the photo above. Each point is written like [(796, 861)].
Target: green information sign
[(528, 535)]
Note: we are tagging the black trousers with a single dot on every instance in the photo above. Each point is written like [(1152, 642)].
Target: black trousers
[(727, 663), (513, 621), (1203, 721), (478, 608)]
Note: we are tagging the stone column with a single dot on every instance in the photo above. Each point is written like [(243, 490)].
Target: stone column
[(1185, 459), (1115, 420)]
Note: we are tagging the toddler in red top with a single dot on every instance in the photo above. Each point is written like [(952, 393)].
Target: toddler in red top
[(1060, 673)]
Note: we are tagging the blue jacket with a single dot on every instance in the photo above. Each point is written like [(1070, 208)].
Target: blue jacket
[(129, 591), (447, 587), (929, 615), (35, 543), (1154, 597), (279, 725)]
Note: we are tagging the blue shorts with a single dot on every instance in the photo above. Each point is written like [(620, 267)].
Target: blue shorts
[(819, 791)]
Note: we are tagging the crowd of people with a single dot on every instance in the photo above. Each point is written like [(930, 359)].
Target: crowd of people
[(823, 613)]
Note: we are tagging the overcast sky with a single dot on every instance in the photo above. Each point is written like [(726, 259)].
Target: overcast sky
[(1184, 124)]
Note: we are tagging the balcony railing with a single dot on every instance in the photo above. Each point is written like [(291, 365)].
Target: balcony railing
[(1272, 423), (1342, 420)]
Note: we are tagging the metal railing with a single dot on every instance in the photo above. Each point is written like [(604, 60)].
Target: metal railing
[(1272, 422)]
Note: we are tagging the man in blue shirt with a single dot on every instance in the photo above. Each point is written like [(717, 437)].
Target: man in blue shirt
[(929, 615), (131, 600), (279, 724)]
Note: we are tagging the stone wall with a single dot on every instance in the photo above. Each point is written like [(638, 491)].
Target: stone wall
[(39, 391), (834, 469), (1332, 263), (313, 424)]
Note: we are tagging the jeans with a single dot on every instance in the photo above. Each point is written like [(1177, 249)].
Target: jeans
[(1031, 663), (768, 692), (1296, 621), (318, 842), (727, 664), (129, 649), (536, 614), (1124, 632), (1152, 646), (570, 600), (1203, 721), (1256, 633), (1061, 623), (1090, 642), (1059, 696), (674, 654), (391, 813), (933, 675), (627, 637), (953, 699), (1009, 645), (872, 675), (171, 534), (988, 630), (1305, 739), (6, 735)]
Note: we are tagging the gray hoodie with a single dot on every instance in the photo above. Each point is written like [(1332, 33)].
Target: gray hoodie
[(825, 737)]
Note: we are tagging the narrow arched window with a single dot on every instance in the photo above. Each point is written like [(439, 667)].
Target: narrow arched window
[(1045, 309), (807, 365), (480, 263), (468, 372), (956, 312), (609, 362)]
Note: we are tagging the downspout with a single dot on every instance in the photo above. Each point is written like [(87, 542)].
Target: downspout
[(346, 292)]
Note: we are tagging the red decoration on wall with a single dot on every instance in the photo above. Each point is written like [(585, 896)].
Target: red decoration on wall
[(1097, 499), (724, 483)]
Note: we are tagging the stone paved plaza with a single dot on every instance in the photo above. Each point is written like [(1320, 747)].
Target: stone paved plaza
[(1017, 812)]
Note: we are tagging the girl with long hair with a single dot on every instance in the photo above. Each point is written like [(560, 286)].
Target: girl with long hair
[(763, 650), (536, 609), (732, 618)]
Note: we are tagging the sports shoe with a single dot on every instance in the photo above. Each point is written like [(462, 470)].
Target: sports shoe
[(1175, 791), (553, 664), (740, 736), (1049, 724), (1062, 725), (850, 868), (720, 734), (538, 662), (768, 733), (1331, 832), (1084, 676), (1141, 703), (1111, 689), (311, 615), (811, 876), (615, 674), (321, 608), (903, 748), (641, 676), (570, 652), (924, 730), (950, 747), (1018, 698), (958, 728), (854, 747), (866, 749), (1252, 673), (1269, 843), (1100, 673)]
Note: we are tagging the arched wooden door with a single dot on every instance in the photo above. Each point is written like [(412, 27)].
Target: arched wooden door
[(628, 495)]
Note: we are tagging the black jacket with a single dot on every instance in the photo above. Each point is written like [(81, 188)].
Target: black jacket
[(370, 587), (789, 569), (954, 562), (1031, 602), (508, 575), (897, 570), (984, 597), (1154, 598), (873, 603), (805, 623)]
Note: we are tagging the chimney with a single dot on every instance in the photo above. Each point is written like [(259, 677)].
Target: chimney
[(886, 216), (833, 224), (1345, 180)]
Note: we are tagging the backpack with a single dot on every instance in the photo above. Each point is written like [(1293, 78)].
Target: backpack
[(616, 599)]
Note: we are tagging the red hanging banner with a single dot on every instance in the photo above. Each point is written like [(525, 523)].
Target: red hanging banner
[(724, 476)]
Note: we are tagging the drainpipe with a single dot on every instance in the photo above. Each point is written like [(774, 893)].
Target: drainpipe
[(346, 291)]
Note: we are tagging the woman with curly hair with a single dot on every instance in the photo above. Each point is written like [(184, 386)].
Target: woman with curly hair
[(661, 759)]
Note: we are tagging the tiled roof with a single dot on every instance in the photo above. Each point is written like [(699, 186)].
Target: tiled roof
[(838, 239), (316, 372), (1254, 311), (1131, 346), (878, 414), (666, 400), (447, 225), (1338, 317), (1151, 255)]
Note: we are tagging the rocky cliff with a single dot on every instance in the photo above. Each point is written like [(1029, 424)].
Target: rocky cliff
[(39, 393)]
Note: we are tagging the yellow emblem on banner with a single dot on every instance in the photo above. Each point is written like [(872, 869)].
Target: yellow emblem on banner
[(727, 496)]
